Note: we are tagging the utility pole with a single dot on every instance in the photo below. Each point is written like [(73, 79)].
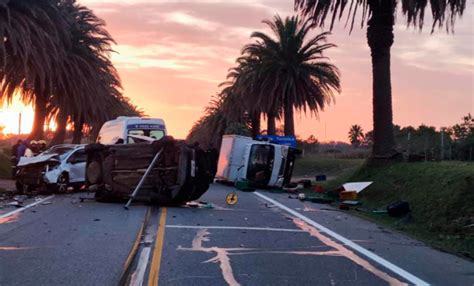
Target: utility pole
[(19, 125)]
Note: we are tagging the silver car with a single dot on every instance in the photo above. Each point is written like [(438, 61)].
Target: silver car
[(58, 168)]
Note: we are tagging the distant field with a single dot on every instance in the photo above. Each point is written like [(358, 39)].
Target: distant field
[(440, 194)]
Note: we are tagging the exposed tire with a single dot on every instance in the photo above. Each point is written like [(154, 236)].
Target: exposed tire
[(63, 183), (94, 172)]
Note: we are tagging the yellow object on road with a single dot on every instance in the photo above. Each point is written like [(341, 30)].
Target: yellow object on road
[(231, 199)]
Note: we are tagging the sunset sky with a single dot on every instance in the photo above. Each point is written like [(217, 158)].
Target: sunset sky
[(173, 54)]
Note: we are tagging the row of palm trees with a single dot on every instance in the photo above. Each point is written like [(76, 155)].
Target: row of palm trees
[(56, 55), (274, 77)]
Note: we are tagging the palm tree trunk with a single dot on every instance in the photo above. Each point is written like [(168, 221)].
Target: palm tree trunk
[(380, 39), (77, 135), (37, 132), (271, 126), (60, 133), (289, 120), (255, 122)]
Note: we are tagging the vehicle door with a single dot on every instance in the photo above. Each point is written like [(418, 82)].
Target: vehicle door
[(77, 166)]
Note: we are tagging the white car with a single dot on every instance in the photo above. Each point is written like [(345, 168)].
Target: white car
[(58, 168)]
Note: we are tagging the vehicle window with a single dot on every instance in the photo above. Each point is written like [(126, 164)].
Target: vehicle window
[(60, 150), (260, 164), (79, 156), (155, 134)]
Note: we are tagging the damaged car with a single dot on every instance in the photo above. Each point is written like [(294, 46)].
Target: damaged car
[(56, 169), (180, 172)]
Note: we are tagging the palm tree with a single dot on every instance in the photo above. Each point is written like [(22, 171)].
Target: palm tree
[(380, 19), (56, 55), (239, 92), (356, 135), (33, 46), (292, 72), (88, 76)]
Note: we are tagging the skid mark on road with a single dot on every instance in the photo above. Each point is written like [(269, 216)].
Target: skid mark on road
[(343, 251), (346, 242), (235, 228), (223, 254)]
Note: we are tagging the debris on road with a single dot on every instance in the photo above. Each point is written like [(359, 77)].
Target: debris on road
[(201, 205), (398, 209)]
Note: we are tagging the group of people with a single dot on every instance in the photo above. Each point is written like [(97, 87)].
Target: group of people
[(26, 149)]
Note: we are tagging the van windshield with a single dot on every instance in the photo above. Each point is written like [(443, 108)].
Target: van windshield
[(152, 133)]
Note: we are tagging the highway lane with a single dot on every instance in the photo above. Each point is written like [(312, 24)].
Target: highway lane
[(266, 239), (257, 242), (67, 242)]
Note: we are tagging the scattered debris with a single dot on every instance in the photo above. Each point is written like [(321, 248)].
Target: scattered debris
[(306, 183), (350, 203), (244, 185), (201, 205), (269, 205), (320, 178), (356, 186), (15, 204), (348, 195), (398, 209), (344, 207)]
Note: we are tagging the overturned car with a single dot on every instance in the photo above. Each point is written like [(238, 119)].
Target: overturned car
[(179, 174)]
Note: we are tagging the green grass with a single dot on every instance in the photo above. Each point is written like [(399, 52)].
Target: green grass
[(338, 171), (440, 194), (441, 197)]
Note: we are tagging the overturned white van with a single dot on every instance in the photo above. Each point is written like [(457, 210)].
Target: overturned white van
[(259, 162), (126, 130)]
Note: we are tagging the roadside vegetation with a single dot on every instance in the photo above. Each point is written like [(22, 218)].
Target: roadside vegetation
[(440, 194)]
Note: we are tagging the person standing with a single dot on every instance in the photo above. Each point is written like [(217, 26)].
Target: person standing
[(14, 158), (29, 151), (20, 152)]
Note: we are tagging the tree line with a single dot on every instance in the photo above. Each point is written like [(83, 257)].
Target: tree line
[(426, 142), (275, 76), (56, 56)]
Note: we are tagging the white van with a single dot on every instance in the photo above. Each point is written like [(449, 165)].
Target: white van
[(261, 163), (126, 130)]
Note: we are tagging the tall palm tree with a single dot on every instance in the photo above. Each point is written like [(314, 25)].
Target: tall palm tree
[(356, 135), (292, 71), (32, 49), (240, 93), (88, 76), (380, 19)]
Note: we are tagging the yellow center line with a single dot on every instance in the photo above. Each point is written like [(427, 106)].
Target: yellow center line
[(136, 243), (156, 260)]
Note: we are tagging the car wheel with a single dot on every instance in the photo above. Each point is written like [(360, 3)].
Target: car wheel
[(63, 183)]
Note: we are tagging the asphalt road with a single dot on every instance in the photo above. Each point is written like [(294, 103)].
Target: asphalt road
[(265, 239)]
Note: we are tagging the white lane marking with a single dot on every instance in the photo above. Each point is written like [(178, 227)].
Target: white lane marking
[(139, 274), (25, 207), (392, 267), (235, 227)]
